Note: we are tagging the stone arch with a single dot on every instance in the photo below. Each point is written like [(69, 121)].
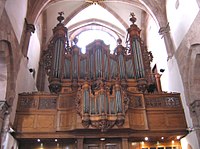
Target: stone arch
[(37, 7), (7, 72)]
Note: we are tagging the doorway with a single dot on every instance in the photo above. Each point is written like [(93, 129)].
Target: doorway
[(102, 143)]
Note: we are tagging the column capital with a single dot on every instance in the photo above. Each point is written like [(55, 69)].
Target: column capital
[(3, 108), (29, 27), (163, 30), (195, 107)]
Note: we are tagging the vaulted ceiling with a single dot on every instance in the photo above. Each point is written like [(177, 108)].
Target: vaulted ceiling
[(98, 19)]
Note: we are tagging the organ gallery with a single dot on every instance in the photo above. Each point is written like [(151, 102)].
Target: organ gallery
[(99, 99)]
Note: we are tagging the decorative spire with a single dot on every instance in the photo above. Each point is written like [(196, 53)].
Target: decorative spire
[(60, 18), (75, 40)]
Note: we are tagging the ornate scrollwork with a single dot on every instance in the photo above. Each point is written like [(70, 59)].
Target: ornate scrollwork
[(142, 85), (48, 58), (103, 124), (55, 87), (78, 101)]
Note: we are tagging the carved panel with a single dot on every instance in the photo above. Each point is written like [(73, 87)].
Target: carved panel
[(27, 102), (163, 102), (136, 102), (47, 103)]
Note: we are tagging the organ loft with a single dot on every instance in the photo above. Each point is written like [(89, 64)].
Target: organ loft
[(99, 100)]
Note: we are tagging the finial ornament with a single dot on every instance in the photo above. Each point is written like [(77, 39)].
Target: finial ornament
[(75, 40), (119, 41), (60, 18), (132, 19)]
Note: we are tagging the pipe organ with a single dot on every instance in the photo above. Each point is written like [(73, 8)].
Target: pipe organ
[(114, 94)]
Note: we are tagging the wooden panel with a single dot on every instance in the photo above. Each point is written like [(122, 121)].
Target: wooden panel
[(166, 120), (137, 119), (25, 122), (66, 120), (157, 120), (175, 120), (66, 101), (46, 122)]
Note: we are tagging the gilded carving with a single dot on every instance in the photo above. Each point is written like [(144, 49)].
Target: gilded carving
[(136, 102), (103, 124)]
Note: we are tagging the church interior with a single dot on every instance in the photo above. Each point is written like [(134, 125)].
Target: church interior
[(99, 74)]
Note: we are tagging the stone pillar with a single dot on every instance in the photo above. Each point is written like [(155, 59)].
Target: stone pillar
[(125, 143), (29, 28), (165, 33), (80, 143), (195, 113)]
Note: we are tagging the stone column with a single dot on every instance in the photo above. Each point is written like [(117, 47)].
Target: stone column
[(80, 143), (29, 29), (165, 33), (125, 143), (195, 113)]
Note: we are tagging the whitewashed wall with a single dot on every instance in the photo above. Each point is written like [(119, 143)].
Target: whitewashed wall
[(181, 14)]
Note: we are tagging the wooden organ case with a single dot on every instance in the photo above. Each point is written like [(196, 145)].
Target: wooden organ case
[(99, 95)]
